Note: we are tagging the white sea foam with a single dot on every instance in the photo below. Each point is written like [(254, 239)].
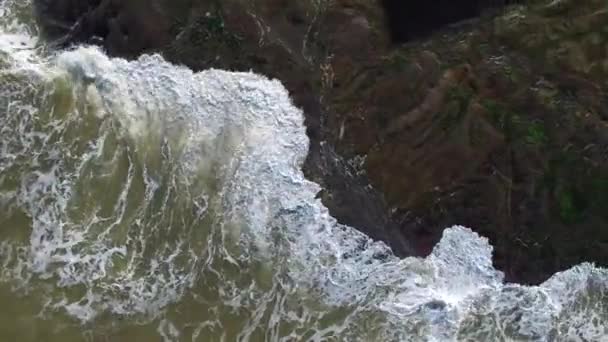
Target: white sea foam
[(146, 183)]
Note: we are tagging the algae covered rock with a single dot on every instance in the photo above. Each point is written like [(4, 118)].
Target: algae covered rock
[(498, 123)]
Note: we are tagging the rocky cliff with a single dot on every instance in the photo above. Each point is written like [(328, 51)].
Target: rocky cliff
[(498, 122)]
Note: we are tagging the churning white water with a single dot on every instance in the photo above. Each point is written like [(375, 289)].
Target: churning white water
[(141, 200)]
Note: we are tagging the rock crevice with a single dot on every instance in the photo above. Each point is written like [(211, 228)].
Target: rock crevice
[(415, 123)]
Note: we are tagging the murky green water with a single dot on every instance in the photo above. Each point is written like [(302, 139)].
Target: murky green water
[(142, 202)]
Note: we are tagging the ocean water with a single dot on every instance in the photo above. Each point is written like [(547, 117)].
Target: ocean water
[(140, 201)]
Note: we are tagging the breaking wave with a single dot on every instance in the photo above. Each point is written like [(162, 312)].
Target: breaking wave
[(141, 192)]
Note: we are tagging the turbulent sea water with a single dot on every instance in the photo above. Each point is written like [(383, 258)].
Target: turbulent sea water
[(140, 201)]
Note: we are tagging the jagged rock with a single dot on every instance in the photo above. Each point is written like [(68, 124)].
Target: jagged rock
[(499, 123)]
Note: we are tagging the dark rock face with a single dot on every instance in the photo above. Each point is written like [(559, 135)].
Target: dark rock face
[(409, 20), (500, 124), (125, 28), (277, 38)]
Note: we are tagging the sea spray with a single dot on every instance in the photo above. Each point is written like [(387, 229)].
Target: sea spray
[(139, 198)]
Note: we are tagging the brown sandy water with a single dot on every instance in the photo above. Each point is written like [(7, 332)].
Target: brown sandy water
[(142, 202)]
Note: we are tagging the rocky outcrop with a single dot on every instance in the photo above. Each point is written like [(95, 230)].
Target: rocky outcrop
[(498, 123)]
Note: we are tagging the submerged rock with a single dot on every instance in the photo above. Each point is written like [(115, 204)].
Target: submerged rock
[(498, 123)]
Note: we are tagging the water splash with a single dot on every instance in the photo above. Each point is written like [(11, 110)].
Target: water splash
[(143, 190)]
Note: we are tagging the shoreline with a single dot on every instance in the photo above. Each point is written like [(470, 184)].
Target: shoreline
[(465, 126)]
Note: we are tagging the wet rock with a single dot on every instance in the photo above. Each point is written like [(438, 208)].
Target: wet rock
[(499, 124)]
